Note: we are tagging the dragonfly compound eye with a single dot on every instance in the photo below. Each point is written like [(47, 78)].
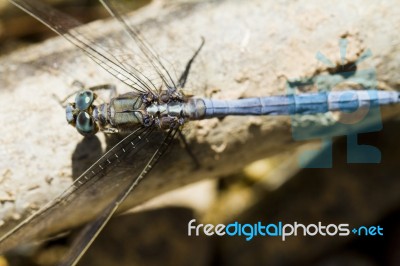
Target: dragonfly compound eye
[(85, 124), (84, 100), (69, 113)]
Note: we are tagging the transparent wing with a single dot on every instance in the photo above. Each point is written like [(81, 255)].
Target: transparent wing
[(115, 8), (162, 68), (91, 230), (113, 53), (94, 189)]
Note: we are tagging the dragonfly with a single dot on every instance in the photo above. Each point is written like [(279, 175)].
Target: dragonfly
[(156, 103)]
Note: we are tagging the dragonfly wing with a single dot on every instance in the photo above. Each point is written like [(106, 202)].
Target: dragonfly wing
[(152, 57), (156, 63), (91, 192), (91, 230), (108, 53)]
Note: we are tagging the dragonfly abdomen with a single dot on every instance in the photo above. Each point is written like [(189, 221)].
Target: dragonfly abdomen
[(304, 103)]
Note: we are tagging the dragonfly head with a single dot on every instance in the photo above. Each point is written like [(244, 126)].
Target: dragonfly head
[(80, 113)]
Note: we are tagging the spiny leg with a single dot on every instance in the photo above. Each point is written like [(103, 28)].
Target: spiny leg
[(188, 150), (81, 86), (107, 87), (75, 83), (110, 87), (185, 74)]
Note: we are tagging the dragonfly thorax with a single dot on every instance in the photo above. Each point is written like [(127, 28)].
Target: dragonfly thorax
[(166, 115), (126, 112)]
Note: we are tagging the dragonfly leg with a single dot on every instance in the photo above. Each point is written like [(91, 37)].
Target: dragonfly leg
[(107, 87), (188, 150), (81, 87), (75, 83), (185, 74), (110, 87), (79, 84)]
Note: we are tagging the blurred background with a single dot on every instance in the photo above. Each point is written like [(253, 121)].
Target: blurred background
[(271, 190)]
